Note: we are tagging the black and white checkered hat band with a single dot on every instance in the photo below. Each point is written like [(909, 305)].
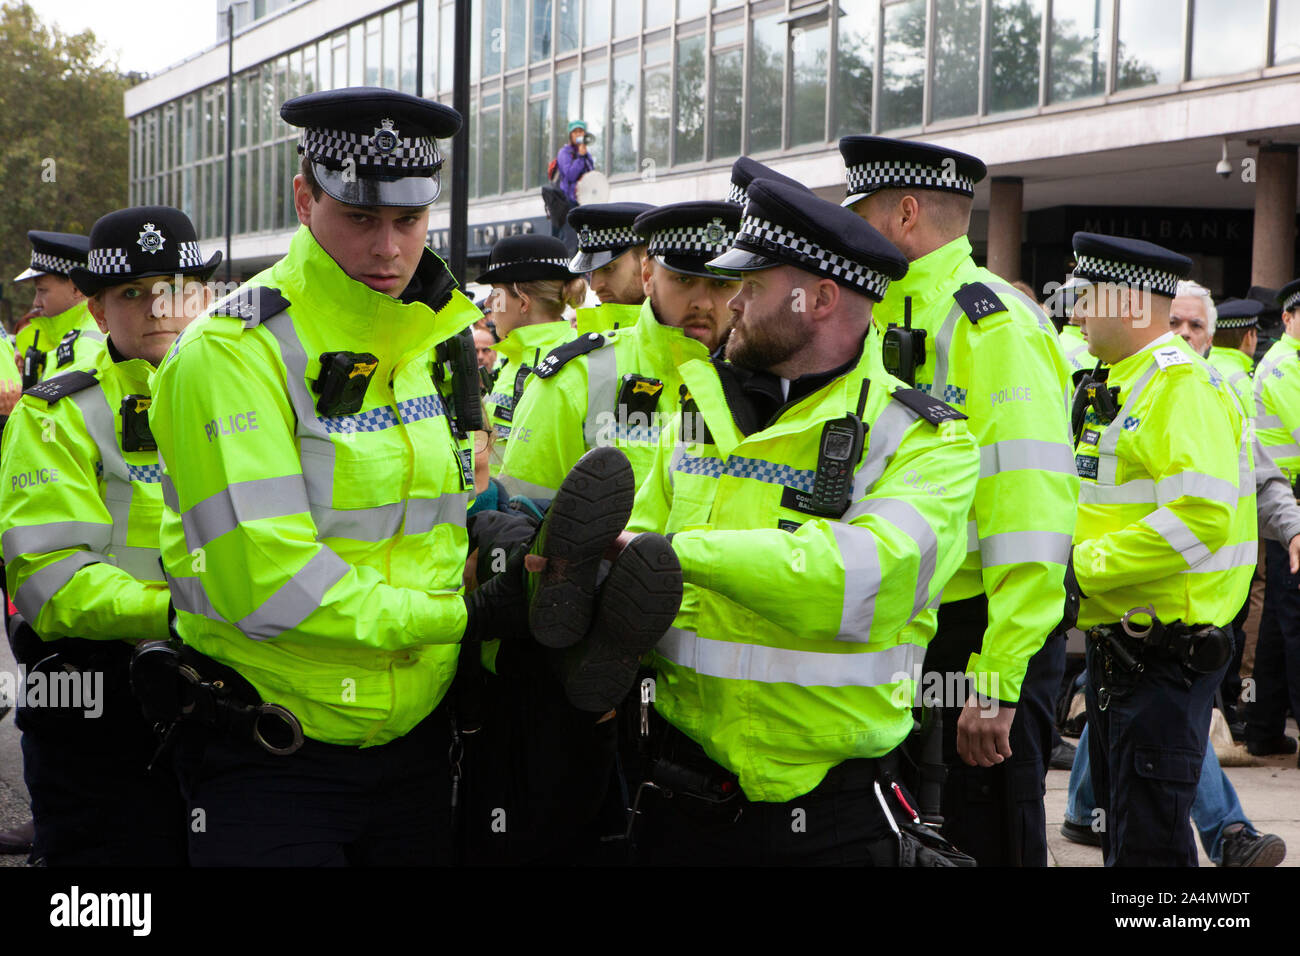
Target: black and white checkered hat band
[(43, 262), (190, 257), (532, 262), (337, 146), (1107, 270), (869, 177), (108, 261), (711, 240), (738, 194), (1238, 322), (776, 240), (1291, 302), (604, 240)]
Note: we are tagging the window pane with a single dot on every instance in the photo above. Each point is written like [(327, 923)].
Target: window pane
[(658, 13), (409, 38), (355, 57), (541, 29), (1228, 37), (514, 143), (392, 24), (566, 104), (1150, 43), (517, 35), (372, 52), (490, 152), (766, 75), (1080, 48), (268, 179), (595, 103), (657, 111), (491, 37), (566, 30), (539, 141), (627, 17), (1286, 34), (1015, 39), (688, 9), (903, 65), (446, 46), (309, 81), (690, 100), (855, 65), (955, 89), (810, 47), (623, 114), (727, 121), (595, 22)]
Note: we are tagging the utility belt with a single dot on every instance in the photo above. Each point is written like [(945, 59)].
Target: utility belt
[(110, 657), (176, 683), (1127, 647)]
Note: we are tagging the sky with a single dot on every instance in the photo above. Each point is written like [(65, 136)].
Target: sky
[(146, 35)]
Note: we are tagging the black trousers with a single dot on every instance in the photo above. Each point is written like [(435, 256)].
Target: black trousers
[(1146, 749), (996, 814), (1277, 654), (324, 805), (1230, 688), (86, 749)]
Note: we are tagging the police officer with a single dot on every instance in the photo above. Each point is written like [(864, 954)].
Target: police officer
[(615, 388), (63, 324), (1162, 552), (816, 506), (1232, 352), (531, 286), (745, 170), (1277, 654), (610, 253), (982, 346), (80, 510)]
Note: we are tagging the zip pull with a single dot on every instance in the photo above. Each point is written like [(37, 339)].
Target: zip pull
[(647, 698)]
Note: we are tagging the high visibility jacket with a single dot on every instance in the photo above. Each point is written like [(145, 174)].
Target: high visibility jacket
[(51, 336), (790, 653), (319, 555), (1167, 504), (575, 403), (607, 317), (1075, 347), (9, 373), (1235, 366), (521, 352), (79, 515), (1277, 404), (1005, 369)]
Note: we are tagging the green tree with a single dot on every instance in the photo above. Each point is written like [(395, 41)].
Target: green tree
[(63, 135)]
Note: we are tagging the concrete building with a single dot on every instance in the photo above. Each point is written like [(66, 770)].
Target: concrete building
[(1110, 115)]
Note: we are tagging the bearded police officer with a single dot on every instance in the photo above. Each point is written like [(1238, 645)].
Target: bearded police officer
[(1163, 549), (816, 506), (610, 253), (967, 337), (80, 506), (63, 324)]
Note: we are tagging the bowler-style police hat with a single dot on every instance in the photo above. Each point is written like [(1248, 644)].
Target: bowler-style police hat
[(604, 232), (373, 147), (526, 259), (54, 253), (141, 242)]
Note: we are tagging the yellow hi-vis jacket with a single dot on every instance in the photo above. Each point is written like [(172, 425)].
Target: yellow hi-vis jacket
[(521, 351), (575, 403), (1277, 404), (79, 515), (68, 340), (1004, 368), (319, 555), (1075, 347), (607, 317), (791, 651), (1167, 504)]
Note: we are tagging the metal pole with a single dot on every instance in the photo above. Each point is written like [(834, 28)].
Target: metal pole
[(419, 48), (230, 124), (460, 146)]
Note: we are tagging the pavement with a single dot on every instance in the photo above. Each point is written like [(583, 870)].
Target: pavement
[(1268, 792)]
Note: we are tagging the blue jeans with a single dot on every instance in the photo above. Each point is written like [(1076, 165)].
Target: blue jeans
[(1215, 808)]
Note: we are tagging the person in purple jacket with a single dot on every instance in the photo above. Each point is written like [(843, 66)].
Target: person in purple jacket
[(573, 160)]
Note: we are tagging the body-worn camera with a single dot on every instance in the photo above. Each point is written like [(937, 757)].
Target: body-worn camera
[(136, 435)]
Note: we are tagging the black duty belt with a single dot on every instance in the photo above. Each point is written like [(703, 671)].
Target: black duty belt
[(1127, 647)]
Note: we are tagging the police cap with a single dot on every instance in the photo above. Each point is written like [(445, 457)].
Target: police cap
[(54, 253), (745, 170), (684, 236), (372, 147), (1132, 262), (1238, 314), (878, 162), (786, 225), (604, 232), (1288, 297)]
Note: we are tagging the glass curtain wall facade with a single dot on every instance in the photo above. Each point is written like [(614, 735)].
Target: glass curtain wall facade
[(678, 85)]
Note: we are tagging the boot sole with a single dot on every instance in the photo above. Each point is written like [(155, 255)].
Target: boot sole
[(1267, 853), (588, 512), (638, 603)]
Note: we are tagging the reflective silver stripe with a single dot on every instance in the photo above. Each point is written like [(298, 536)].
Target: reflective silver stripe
[(360, 524), (141, 563), (1107, 459), (118, 490), (972, 536), (1024, 547), (1268, 421), (907, 519), (943, 343), (1230, 556), (170, 498), (55, 536), (316, 448), (861, 580), (1179, 537), (1139, 491), (1196, 485), (516, 487), (425, 514), (42, 585), (1035, 309), (240, 502), (1283, 451), (296, 598), (188, 595), (885, 437), (1015, 454), (732, 660), (679, 453), (602, 391)]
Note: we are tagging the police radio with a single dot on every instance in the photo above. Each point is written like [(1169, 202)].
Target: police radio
[(903, 349), (33, 359), (344, 378), (838, 453), (136, 435), (1093, 393)]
